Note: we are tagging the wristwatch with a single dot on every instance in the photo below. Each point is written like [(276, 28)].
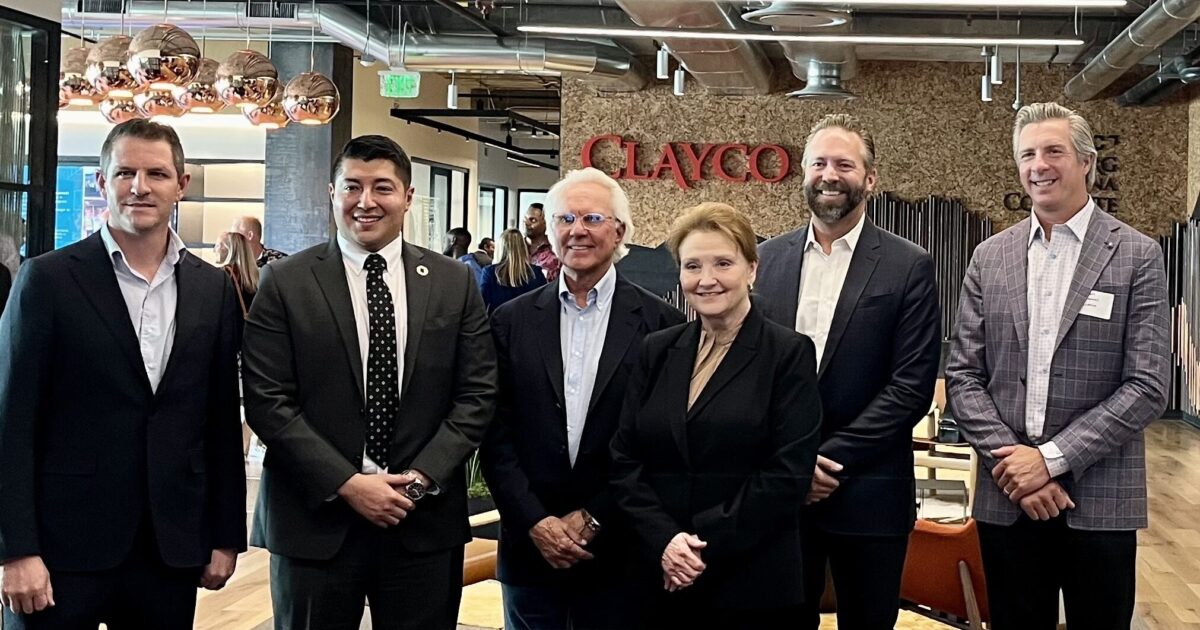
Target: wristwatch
[(415, 489), (591, 523)]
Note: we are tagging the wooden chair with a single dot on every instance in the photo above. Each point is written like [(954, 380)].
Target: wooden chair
[(479, 557), (943, 573)]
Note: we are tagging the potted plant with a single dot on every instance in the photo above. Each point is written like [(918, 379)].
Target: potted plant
[(479, 499)]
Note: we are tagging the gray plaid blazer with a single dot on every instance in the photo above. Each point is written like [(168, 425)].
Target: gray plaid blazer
[(1109, 379)]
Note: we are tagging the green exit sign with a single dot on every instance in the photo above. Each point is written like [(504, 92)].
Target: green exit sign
[(394, 84)]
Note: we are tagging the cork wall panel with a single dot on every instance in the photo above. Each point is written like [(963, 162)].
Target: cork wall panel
[(933, 137), (1193, 177)]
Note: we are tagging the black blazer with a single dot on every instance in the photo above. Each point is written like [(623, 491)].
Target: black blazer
[(524, 456), (87, 448), (876, 374), (732, 469), (303, 379)]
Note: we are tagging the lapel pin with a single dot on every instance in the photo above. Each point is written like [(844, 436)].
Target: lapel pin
[(422, 270)]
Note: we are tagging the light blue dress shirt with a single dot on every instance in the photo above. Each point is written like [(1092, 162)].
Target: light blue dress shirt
[(581, 333)]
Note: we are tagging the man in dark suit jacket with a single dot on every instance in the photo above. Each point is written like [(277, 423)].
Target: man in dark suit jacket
[(370, 375), (122, 483), (868, 299), (565, 352)]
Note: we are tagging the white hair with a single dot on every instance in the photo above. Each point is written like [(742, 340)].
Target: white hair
[(1081, 132), (619, 202)]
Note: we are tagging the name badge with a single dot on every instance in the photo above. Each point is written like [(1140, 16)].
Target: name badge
[(1098, 305)]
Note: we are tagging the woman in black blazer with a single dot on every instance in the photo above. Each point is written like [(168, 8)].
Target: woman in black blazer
[(717, 443)]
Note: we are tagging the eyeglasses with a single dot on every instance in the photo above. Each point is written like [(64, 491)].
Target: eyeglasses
[(591, 220)]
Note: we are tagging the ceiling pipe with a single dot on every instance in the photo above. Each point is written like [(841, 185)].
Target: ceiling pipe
[(1157, 24), (609, 68)]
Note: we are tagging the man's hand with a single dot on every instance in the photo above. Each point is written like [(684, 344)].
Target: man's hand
[(576, 522), (823, 481), (26, 587), (1021, 471), (558, 543), (1047, 503), (681, 563), (219, 569), (375, 497)]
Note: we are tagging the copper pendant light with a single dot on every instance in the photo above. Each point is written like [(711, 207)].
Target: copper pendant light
[(163, 56), (311, 98), (158, 103), (269, 116), (106, 69), (247, 79), (199, 96), (73, 86), (118, 109)]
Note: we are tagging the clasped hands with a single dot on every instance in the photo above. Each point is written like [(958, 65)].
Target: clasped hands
[(561, 541), (1022, 475), (380, 498), (681, 563)]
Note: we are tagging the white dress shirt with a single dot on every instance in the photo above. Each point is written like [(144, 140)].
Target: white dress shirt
[(151, 302), (1051, 266), (581, 333), (354, 257), (821, 278)]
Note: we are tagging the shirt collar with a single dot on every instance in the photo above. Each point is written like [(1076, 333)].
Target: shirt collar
[(1077, 224), (356, 255), (175, 247), (601, 295), (850, 238)]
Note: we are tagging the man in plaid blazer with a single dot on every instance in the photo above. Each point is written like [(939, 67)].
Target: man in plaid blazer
[(1060, 359)]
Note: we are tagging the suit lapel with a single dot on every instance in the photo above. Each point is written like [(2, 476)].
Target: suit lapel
[(188, 310), (92, 270), (740, 354), (547, 315), (862, 266), (418, 282), (1015, 255), (788, 288), (624, 317), (1098, 248), (676, 376), (330, 272)]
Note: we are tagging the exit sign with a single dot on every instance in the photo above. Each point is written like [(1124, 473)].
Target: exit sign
[(393, 84)]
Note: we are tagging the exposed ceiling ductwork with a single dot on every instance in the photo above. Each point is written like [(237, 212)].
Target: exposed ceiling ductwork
[(609, 68), (822, 67), (723, 67), (1157, 24), (1175, 73)]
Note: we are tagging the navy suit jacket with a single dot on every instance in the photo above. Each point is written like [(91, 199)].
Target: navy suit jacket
[(524, 456), (876, 374)]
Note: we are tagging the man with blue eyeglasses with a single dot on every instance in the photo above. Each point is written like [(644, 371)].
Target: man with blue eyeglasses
[(565, 352)]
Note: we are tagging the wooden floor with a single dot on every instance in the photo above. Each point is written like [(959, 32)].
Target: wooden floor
[(1168, 588)]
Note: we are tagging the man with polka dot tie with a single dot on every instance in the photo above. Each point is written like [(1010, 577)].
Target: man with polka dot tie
[(370, 375)]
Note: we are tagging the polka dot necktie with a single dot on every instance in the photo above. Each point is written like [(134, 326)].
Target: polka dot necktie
[(383, 395)]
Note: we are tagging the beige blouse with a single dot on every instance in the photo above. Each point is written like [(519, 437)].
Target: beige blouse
[(713, 348)]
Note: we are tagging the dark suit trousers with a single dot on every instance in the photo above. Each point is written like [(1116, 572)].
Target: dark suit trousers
[(570, 607), (1026, 564), (142, 592), (406, 590), (866, 578)]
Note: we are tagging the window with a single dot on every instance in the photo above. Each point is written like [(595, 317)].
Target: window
[(28, 81), (492, 213), (439, 203)]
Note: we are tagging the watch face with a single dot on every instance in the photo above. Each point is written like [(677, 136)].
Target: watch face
[(414, 490)]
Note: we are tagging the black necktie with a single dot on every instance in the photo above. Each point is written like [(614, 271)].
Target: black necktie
[(383, 394)]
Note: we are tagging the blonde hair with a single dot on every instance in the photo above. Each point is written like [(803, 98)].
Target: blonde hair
[(848, 123), (721, 218), (1081, 132), (240, 260), (514, 269)]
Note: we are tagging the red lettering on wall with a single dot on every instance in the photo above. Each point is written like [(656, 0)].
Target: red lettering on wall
[(685, 178)]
